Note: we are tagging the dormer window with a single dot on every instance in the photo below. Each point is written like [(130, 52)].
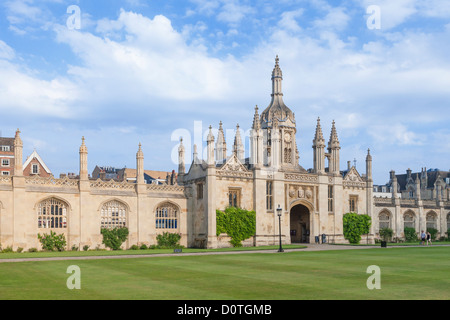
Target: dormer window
[(34, 169)]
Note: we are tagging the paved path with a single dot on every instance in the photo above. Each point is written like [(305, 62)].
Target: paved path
[(309, 247)]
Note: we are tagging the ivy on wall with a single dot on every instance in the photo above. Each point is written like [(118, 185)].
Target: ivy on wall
[(356, 225), (239, 224)]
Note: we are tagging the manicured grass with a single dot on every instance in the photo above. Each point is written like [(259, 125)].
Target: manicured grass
[(406, 273)]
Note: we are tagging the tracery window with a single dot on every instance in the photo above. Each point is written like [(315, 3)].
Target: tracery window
[(431, 220), (269, 196), (408, 220), (384, 220), (113, 215), (167, 216), (52, 213), (234, 197)]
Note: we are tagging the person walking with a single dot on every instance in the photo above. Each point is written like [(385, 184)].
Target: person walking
[(423, 237), (428, 237)]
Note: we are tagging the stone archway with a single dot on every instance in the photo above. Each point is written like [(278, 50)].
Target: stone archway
[(300, 224)]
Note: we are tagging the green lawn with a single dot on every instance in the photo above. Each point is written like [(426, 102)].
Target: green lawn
[(406, 273)]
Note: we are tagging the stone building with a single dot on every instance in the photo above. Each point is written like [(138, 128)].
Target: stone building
[(270, 181), (414, 200)]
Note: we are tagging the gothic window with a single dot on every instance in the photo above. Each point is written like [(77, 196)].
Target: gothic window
[(167, 216), (52, 214), (269, 194), (234, 197), (330, 198), (409, 220), (113, 215), (431, 220), (384, 220), (353, 204), (200, 191)]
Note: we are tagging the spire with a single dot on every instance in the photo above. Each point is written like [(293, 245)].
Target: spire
[(277, 108), (181, 163), (334, 140), (221, 145), (277, 78), (318, 138), (83, 160), (333, 150), (210, 147), (140, 166), (18, 155), (256, 120), (238, 147)]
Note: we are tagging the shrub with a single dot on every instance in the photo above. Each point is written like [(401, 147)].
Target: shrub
[(144, 247), (85, 247), (168, 240), (19, 250), (52, 241), (32, 250), (355, 225), (410, 234), (134, 247), (386, 234), (8, 250), (114, 238), (74, 248), (433, 233), (239, 224)]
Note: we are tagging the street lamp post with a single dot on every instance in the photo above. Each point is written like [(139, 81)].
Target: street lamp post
[(279, 211)]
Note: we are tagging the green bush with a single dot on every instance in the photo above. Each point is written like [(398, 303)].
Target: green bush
[(52, 241), (433, 233), (410, 234), (144, 247), (114, 238), (386, 234), (85, 247), (355, 225), (239, 224), (8, 250), (168, 240), (134, 247), (32, 250)]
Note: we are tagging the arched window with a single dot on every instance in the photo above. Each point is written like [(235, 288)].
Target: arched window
[(113, 215), (167, 216), (409, 220), (384, 220), (52, 214), (431, 220)]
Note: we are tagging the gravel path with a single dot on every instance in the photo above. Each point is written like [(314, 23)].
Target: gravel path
[(310, 247)]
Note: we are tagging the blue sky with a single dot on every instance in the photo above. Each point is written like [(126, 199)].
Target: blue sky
[(149, 71)]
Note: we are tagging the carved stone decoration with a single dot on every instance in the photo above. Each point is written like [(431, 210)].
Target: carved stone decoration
[(301, 193), (308, 194), (233, 164)]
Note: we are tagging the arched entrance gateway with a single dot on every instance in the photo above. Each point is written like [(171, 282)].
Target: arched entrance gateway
[(300, 224)]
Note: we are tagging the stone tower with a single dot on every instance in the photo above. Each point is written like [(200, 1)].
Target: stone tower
[(279, 127)]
